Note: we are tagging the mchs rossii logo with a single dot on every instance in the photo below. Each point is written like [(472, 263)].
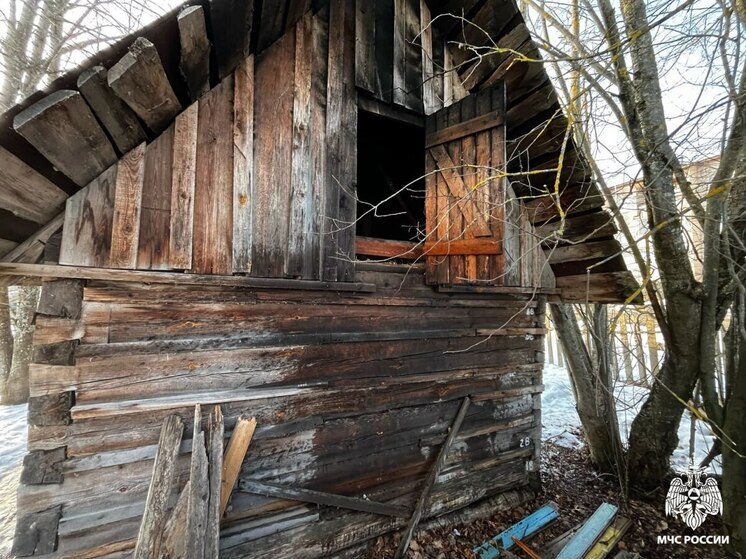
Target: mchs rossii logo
[(692, 499)]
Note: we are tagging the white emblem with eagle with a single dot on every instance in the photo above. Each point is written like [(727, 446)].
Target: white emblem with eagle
[(692, 500)]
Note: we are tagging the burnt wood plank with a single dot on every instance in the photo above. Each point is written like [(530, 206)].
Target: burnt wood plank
[(125, 229), (300, 253), (195, 50), (243, 167), (26, 193), (321, 498), (89, 216), (43, 467), (231, 22), (155, 220), (118, 119), (50, 410), (341, 133), (213, 215), (273, 128), (140, 81), (184, 170), (85, 152)]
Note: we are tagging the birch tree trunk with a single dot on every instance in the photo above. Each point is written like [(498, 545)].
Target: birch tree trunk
[(16, 389), (6, 337)]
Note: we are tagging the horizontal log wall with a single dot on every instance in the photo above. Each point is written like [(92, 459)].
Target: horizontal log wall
[(354, 394)]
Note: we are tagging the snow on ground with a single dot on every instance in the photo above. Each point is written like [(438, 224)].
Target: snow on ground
[(560, 420), (12, 449)]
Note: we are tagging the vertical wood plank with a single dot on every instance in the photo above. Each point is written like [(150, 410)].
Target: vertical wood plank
[(195, 50), (320, 36), (444, 213), (127, 207), (400, 52), (342, 143), (457, 267), (483, 184), (182, 189), (273, 122), (86, 234), (155, 221), (365, 45), (448, 72), (511, 239), (384, 67), (213, 215), (231, 22), (497, 188), (271, 25), (243, 157), (300, 256), (431, 214), (429, 98), (414, 56), (468, 170), (215, 434)]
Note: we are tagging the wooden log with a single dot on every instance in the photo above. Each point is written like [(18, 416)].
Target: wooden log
[(213, 188), (140, 80), (243, 165), (45, 411), (199, 492), (195, 50), (150, 535), (234, 455), (125, 232), (72, 271), (85, 152), (89, 217), (63, 298), (182, 189), (384, 248), (36, 533), (215, 432), (119, 120), (424, 497), (321, 498), (231, 22), (27, 193), (43, 467)]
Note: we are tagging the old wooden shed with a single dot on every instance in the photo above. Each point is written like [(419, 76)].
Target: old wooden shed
[(334, 216)]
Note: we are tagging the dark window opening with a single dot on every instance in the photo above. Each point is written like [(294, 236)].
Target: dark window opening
[(390, 179)]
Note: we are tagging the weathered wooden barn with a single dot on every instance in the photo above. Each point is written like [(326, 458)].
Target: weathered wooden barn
[(329, 215)]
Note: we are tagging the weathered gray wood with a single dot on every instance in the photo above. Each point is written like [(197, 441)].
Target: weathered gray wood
[(199, 492), (182, 189), (195, 50), (26, 193), (424, 497), (215, 433), (62, 127), (31, 250), (365, 45), (149, 538), (321, 498), (125, 227), (119, 120), (174, 537), (36, 533), (44, 411), (243, 165), (140, 80), (231, 22), (43, 467), (89, 216), (62, 298)]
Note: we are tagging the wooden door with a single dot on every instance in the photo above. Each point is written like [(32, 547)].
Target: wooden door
[(465, 190)]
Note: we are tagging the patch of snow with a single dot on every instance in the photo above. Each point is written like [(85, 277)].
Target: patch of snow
[(12, 450), (560, 419)]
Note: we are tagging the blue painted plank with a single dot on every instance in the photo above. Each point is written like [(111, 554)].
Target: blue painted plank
[(584, 539), (521, 530)]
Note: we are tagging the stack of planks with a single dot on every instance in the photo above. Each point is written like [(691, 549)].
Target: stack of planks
[(354, 394)]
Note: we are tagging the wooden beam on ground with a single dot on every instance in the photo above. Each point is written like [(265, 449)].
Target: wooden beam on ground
[(523, 529), (321, 498), (385, 248), (234, 455), (590, 532), (119, 120), (63, 129), (140, 80), (215, 434), (609, 539), (26, 193), (174, 278), (195, 50), (430, 480), (150, 536)]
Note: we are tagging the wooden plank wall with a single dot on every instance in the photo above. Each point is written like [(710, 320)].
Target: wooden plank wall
[(276, 198), (353, 394)]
